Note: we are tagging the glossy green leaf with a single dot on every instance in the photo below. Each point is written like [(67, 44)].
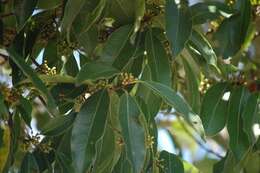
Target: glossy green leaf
[(58, 125), (37, 82), (250, 115), (95, 71), (132, 131), (157, 60), (139, 14), (115, 43), (208, 11), (214, 109), (178, 25), (238, 141), (23, 9), (87, 130), (29, 164), (26, 110), (202, 45), (171, 163)]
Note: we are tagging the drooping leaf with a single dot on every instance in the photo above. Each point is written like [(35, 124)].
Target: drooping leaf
[(214, 109), (171, 163), (249, 115), (178, 25), (132, 131), (3, 109), (115, 43), (95, 71), (23, 9), (87, 130), (37, 82), (58, 125), (29, 164), (71, 66), (157, 60), (208, 11), (139, 14)]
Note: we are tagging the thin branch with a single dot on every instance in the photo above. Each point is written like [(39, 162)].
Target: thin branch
[(35, 62), (197, 141)]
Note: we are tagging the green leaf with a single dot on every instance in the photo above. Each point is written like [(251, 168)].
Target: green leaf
[(115, 43), (171, 163), (71, 66), (157, 60), (202, 45), (133, 132), (192, 85), (214, 109), (238, 141), (139, 14), (237, 25), (26, 110), (5, 141), (23, 9), (37, 82), (72, 9), (178, 25), (29, 164), (3, 109), (58, 125), (208, 11), (94, 71), (87, 130), (249, 115)]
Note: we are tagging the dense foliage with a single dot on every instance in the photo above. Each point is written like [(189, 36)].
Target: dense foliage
[(83, 80)]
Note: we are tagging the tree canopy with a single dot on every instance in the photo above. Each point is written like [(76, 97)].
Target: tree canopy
[(83, 84)]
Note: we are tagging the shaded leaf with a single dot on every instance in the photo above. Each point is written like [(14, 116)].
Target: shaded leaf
[(5, 142), (29, 164), (26, 110)]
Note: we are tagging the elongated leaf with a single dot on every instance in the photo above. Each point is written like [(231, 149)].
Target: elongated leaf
[(249, 115), (29, 164), (157, 60), (203, 47), (238, 141), (178, 25), (214, 109), (171, 163), (132, 131), (58, 125), (23, 9), (87, 129), (72, 9), (193, 86), (94, 71), (37, 82), (116, 43), (208, 11)]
